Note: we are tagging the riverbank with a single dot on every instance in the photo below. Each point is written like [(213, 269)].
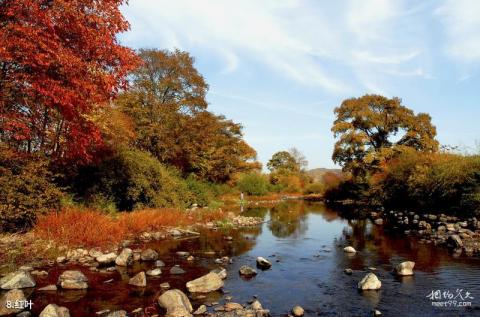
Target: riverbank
[(460, 235)]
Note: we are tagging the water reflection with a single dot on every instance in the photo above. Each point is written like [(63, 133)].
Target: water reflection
[(304, 242)]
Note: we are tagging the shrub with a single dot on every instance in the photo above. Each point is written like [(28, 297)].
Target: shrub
[(434, 182), (253, 184), (133, 180), (26, 191), (202, 193), (314, 188)]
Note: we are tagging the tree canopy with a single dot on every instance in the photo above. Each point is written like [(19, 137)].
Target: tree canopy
[(372, 129), (59, 60), (283, 161), (167, 102)]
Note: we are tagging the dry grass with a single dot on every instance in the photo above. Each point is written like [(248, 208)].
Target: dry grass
[(89, 228)]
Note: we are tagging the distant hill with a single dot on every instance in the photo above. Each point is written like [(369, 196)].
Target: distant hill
[(317, 173)]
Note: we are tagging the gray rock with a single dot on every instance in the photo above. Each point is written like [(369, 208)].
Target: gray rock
[(154, 272), (165, 286), (149, 255), (125, 258), (53, 310), (221, 272), (177, 270), (369, 282), (246, 270), (348, 271), (263, 263), (159, 263), (24, 314), (95, 253), (8, 299), (405, 268), (73, 280), (106, 259), (205, 284), (18, 279), (139, 280), (176, 303), (183, 254)]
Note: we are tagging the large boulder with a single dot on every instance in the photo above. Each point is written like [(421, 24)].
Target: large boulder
[(369, 282), (7, 302), (149, 255), (246, 270), (205, 284), (263, 263), (176, 303), (53, 310), (139, 280), (405, 268), (125, 258), (106, 259), (18, 279), (73, 280)]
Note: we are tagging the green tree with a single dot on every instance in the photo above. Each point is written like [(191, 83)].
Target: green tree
[(372, 129), (169, 110), (284, 163)]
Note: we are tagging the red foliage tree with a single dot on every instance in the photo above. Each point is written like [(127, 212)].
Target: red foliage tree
[(59, 61)]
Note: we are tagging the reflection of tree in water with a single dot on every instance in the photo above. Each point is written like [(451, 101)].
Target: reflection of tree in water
[(288, 219), (389, 246), (260, 212)]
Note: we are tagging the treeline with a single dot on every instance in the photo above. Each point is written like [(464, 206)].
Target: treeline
[(391, 158), (84, 120)]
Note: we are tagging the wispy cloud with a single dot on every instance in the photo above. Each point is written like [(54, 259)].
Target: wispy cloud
[(462, 26)]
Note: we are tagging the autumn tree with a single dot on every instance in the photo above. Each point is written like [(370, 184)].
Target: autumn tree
[(59, 60), (167, 102), (372, 129), (299, 158)]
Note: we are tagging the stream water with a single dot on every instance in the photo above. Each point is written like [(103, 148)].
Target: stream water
[(304, 241)]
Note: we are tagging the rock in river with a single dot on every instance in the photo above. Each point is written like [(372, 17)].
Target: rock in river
[(139, 280), (176, 303), (125, 258), (349, 249), (263, 263), (176, 270), (246, 270), (53, 310), (72, 280), (298, 311), (205, 284), (18, 279), (369, 282), (106, 259), (149, 255), (8, 300), (405, 268), (154, 272)]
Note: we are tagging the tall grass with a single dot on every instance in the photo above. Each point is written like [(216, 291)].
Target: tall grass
[(91, 228)]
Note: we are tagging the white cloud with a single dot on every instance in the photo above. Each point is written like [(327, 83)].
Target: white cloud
[(462, 25), (299, 40)]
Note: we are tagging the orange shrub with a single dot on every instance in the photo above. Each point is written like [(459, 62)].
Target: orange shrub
[(89, 228), (74, 227)]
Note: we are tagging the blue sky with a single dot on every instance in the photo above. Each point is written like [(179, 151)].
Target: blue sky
[(280, 67)]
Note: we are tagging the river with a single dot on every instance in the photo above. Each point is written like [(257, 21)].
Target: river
[(304, 241)]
